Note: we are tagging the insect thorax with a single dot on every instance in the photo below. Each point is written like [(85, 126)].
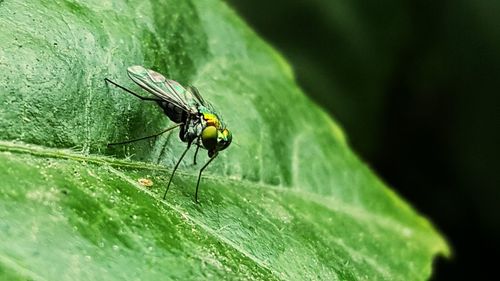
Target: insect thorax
[(209, 118), (191, 129)]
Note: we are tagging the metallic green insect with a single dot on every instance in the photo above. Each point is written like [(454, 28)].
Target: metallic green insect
[(198, 121)]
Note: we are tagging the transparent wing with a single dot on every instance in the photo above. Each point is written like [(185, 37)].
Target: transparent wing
[(158, 85), (194, 91)]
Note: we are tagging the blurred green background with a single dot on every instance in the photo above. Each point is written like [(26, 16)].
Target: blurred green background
[(415, 85)]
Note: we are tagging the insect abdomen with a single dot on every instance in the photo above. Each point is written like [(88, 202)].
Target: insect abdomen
[(175, 113)]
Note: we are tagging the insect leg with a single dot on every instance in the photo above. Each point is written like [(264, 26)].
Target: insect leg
[(196, 152), (130, 92), (175, 168), (143, 138), (199, 176)]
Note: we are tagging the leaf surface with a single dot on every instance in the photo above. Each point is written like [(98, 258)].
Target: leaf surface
[(288, 200)]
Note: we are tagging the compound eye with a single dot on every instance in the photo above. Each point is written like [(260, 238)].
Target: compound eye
[(209, 137), (228, 138), (228, 135)]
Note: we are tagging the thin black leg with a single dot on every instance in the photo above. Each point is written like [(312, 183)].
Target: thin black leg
[(143, 138), (130, 92), (199, 176), (196, 152), (175, 168)]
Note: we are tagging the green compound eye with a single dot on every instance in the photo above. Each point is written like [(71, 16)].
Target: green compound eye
[(228, 137), (209, 137)]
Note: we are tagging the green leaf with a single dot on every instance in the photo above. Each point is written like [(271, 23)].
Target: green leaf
[(288, 200)]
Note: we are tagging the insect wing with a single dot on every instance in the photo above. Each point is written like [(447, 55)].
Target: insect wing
[(194, 91), (158, 85), (208, 107)]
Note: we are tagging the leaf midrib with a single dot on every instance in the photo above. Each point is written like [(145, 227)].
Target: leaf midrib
[(418, 232), (7, 146), (330, 203)]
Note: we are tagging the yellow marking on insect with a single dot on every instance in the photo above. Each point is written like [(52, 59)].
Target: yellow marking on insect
[(211, 119), (145, 182)]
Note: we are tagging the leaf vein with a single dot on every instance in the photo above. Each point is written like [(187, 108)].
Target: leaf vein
[(329, 202), (197, 222)]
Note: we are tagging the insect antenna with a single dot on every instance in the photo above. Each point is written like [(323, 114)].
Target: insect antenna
[(143, 138)]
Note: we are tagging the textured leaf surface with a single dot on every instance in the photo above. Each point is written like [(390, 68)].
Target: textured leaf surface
[(288, 200)]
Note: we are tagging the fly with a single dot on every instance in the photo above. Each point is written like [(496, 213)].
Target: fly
[(199, 123)]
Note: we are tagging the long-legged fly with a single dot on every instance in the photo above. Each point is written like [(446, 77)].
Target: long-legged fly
[(199, 123)]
